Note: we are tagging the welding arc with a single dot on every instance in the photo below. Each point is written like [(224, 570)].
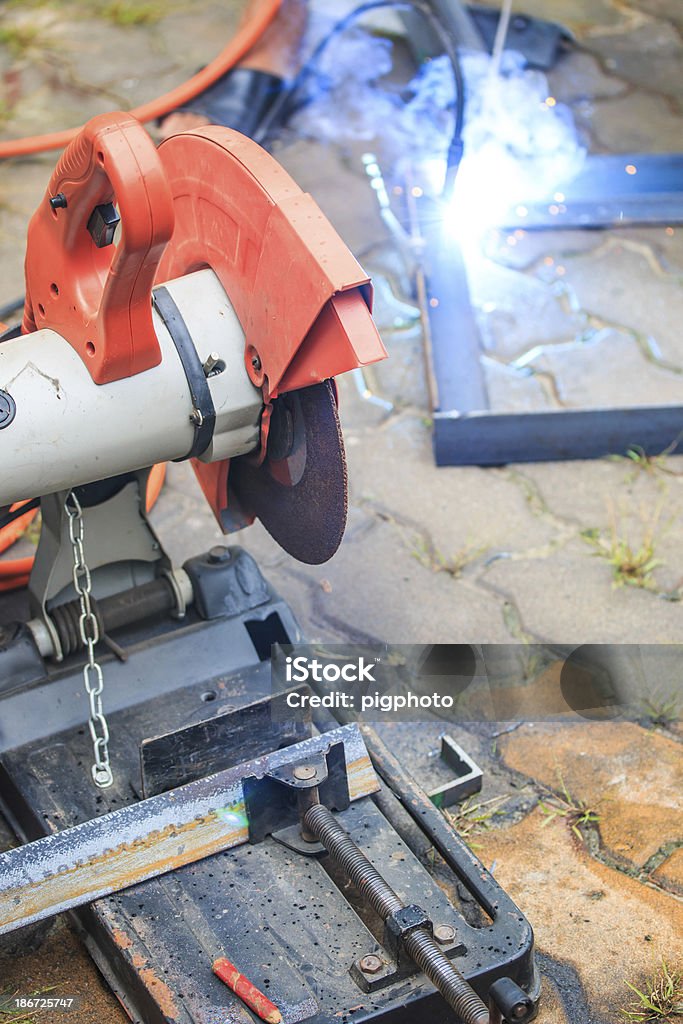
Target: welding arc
[(300, 491), (419, 943), (247, 35)]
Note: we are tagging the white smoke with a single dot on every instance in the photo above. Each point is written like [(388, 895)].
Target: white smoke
[(520, 143)]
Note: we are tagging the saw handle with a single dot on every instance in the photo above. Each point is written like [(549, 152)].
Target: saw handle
[(94, 291)]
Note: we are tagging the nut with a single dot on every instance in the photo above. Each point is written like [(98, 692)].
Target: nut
[(444, 933), (305, 772), (370, 964)]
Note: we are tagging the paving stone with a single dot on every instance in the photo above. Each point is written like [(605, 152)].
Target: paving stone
[(390, 311), (583, 371), (21, 190), (662, 244), (568, 597), (517, 312), (670, 872), (530, 250), (505, 796), (587, 490), (401, 379), (527, 688), (551, 1011), (525, 573), (579, 76), (607, 926), (638, 123), (632, 777), (620, 285), (650, 55), (527, 684), (402, 600), (89, 65), (465, 512), (639, 505), (404, 605), (668, 9), (512, 389)]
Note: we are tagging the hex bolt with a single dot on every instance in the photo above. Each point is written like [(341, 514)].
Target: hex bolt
[(305, 772), (210, 363), (418, 944), (370, 964), (444, 934)]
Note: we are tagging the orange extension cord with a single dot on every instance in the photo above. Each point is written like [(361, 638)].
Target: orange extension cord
[(14, 574), (247, 35)]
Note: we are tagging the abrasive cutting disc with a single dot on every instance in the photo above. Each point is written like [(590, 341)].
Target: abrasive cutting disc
[(300, 491)]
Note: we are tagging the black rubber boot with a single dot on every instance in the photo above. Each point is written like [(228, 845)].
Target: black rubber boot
[(239, 100)]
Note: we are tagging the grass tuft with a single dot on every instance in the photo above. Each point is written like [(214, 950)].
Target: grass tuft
[(576, 813), (472, 817), (20, 39), (661, 999), (127, 12), (652, 465), (632, 562), (454, 566), (661, 710)]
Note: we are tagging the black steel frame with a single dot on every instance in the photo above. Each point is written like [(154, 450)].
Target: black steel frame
[(466, 430)]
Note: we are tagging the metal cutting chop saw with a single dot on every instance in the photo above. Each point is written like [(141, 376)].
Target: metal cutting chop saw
[(211, 330), (192, 303)]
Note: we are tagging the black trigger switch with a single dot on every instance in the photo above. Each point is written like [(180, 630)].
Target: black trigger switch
[(102, 224)]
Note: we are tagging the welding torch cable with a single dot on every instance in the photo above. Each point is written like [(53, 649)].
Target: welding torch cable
[(246, 37), (309, 68)]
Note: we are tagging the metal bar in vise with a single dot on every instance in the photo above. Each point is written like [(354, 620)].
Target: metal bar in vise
[(154, 836)]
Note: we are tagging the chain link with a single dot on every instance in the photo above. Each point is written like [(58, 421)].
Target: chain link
[(89, 629)]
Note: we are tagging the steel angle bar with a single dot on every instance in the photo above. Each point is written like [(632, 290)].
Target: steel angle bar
[(609, 191), (468, 775), (467, 431), (154, 836)]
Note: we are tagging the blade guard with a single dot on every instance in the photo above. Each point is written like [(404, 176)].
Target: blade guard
[(99, 297), (303, 300)]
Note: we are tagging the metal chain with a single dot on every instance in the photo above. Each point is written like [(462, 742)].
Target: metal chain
[(90, 634)]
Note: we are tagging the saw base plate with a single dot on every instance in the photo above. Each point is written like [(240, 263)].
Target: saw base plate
[(297, 935)]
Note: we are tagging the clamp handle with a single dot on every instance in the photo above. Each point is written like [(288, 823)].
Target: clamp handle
[(94, 291)]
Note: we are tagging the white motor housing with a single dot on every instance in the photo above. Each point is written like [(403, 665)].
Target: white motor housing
[(67, 430)]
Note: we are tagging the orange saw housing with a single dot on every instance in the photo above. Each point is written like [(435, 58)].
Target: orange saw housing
[(206, 198)]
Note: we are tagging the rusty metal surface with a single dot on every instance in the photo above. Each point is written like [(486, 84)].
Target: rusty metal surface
[(283, 920), (300, 491), (152, 837)]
